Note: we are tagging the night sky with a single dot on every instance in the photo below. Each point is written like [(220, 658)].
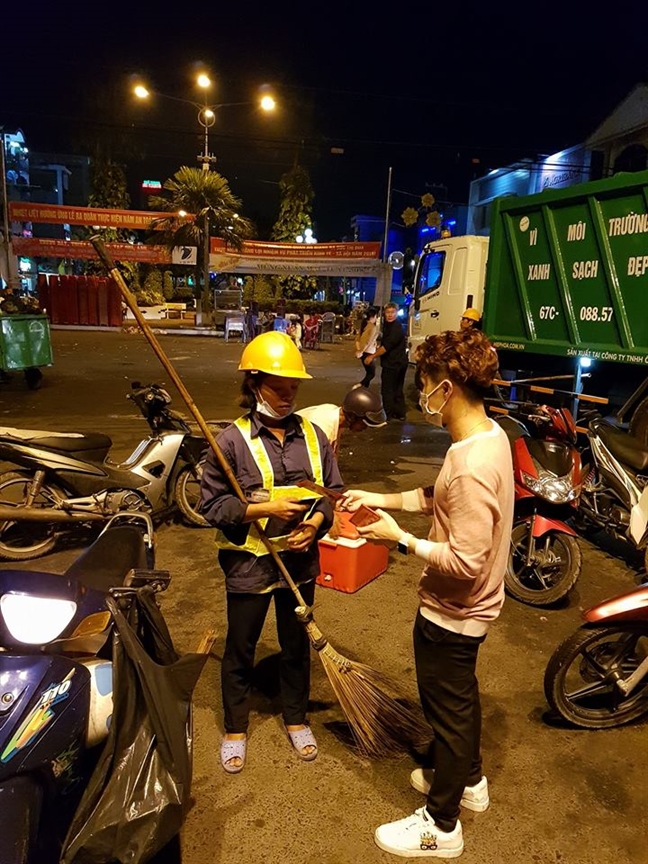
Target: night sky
[(441, 94)]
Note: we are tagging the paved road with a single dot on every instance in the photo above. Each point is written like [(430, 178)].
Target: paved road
[(558, 795)]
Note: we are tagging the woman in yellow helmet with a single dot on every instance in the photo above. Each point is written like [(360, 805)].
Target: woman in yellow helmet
[(270, 449)]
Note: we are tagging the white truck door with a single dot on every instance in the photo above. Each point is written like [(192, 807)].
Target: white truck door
[(439, 298)]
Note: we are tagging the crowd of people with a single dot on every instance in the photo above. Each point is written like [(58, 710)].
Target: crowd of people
[(272, 448)]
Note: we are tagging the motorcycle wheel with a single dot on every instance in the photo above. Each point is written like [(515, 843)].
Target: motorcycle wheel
[(22, 540), (187, 495), (542, 582), (580, 679)]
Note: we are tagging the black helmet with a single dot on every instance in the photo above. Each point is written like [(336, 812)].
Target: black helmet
[(364, 404)]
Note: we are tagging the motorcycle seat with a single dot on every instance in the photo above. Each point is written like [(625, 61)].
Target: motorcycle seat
[(625, 447), (68, 443)]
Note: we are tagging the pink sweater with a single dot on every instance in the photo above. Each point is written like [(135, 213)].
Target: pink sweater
[(462, 586)]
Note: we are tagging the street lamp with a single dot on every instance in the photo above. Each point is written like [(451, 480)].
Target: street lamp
[(206, 111), (206, 118)]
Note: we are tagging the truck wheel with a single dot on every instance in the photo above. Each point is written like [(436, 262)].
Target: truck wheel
[(187, 495), (21, 540), (639, 423), (552, 573)]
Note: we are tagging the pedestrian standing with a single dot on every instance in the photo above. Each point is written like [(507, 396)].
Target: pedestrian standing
[(461, 589), (366, 345), (270, 449), (393, 361)]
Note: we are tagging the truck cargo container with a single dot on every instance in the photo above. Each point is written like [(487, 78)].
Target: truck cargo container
[(563, 285)]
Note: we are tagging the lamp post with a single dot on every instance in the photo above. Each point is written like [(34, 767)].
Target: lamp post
[(206, 118)]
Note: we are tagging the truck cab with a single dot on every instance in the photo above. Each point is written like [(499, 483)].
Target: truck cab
[(450, 277)]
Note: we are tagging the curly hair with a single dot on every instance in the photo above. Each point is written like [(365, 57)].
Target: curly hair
[(465, 357)]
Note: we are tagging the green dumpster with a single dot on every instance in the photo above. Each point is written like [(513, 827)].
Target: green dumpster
[(25, 344)]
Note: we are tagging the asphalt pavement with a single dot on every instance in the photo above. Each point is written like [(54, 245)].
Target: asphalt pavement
[(558, 795)]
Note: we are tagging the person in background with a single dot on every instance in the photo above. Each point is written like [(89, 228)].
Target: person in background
[(393, 360), (366, 345), (471, 319), (360, 409), (270, 449), (295, 330), (461, 588)]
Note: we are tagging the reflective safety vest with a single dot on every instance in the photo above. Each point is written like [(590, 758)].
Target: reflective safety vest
[(253, 543)]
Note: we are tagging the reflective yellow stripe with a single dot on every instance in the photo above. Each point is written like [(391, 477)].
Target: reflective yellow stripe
[(253, 543)]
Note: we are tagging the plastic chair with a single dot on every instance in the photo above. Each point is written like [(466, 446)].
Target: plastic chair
[(234, 324)]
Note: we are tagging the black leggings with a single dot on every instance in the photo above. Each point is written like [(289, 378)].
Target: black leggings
[(369, 371), (246, 614)]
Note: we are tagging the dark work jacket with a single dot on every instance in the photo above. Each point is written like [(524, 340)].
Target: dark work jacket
[(223, 509), (393, 341)]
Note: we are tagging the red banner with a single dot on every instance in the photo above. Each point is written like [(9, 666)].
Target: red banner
[(34, 247), (308, 251), (53, 214), (286, 259)]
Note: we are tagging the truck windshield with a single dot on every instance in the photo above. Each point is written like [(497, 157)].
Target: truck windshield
[(430, 273)]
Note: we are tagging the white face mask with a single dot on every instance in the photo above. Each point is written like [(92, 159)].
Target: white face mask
[(434, 417), (268, 411)]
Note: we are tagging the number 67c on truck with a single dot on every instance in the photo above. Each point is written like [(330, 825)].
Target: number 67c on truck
[(562, 277)]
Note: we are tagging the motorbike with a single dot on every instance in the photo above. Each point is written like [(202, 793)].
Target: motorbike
[(68, 477), (615, 490), (545, 559), (56, 694), (597, 678)]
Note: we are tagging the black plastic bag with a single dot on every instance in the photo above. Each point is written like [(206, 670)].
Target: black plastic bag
[(139, 793)]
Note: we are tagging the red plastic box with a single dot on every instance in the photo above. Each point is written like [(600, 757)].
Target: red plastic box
[(347, 565)]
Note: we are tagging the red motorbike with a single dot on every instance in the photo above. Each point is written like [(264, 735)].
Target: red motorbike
[(545, 559), (597, 678)]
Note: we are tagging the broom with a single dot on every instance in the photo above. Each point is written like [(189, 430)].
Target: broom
[(382, 720)]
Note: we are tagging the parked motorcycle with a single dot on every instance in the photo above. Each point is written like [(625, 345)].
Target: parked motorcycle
[(545, 559), (615, 490), (597, 678), (68, 477), (56, 682)]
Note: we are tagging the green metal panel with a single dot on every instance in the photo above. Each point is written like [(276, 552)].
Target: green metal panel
[(24, 341), (568, 271)]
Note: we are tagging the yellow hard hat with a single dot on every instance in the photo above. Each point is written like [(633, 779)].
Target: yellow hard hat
[(274, 353), (473, 314)]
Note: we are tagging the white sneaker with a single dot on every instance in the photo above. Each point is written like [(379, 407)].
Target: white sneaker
[(474, 797), (417, 836)]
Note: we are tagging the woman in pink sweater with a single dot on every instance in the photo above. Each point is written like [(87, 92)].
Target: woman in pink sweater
[(461, 589)]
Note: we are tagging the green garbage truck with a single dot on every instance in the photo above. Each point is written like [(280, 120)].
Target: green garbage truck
[(563, 286)]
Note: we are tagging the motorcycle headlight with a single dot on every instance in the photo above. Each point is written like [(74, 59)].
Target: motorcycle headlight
[(557, 490), (36, 620)]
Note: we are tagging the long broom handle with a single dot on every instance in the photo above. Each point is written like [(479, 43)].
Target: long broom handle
[(131, 302)]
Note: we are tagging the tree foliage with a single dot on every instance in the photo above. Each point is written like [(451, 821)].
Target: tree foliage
[(295, 216), (212, 210)]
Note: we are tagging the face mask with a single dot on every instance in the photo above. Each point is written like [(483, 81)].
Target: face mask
[(434, 417), (268, 411)]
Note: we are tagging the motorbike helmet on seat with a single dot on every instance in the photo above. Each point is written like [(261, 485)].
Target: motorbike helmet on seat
[(363, 404), (274, 353)]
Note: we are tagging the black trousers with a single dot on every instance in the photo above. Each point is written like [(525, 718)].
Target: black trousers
[(369, 371), (449, 691), (246, 614), (392, 382)]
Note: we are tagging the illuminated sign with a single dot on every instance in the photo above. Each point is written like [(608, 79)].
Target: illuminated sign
[(151, 186)]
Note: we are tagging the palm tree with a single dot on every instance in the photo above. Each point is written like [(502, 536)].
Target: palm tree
[(205, 196)]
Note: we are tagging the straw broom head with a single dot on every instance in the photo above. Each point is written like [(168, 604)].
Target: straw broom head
[(382, 719)]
